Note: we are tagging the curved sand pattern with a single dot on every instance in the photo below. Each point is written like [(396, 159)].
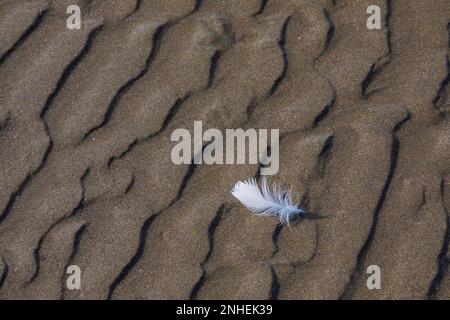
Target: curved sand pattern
[(86, 178)]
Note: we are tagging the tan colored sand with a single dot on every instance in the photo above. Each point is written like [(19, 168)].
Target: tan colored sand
[(86, 119)]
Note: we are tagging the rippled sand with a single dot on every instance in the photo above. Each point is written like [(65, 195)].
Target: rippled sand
[(86, 178)]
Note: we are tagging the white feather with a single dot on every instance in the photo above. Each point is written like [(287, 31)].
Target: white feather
[(276, 202)]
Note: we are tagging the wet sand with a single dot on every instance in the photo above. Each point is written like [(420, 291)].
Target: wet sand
[(86, 118)]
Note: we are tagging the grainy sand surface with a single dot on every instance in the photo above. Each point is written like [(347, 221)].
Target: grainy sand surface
[(86, 177)]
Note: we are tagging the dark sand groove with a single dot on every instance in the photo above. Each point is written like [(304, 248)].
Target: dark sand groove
[(281, 43), (442, 258), (86, 118), (363, 252), (7, 52), (442, 279), (5, 270), (37, 250), (211, 230)]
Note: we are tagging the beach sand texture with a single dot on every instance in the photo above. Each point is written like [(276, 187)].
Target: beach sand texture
[(86, 178)]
